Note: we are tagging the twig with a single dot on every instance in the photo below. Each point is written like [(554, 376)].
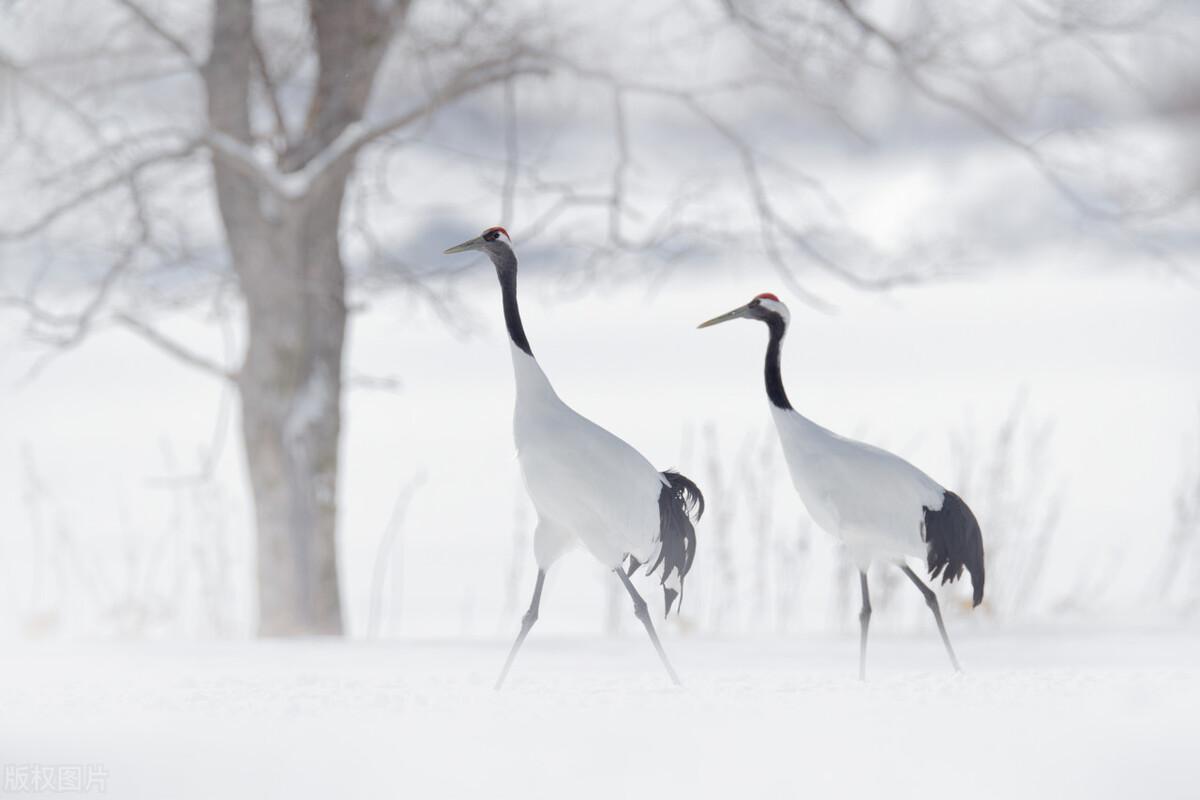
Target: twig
[(159, 30), (383, 555), (272, 94), (175, 349)]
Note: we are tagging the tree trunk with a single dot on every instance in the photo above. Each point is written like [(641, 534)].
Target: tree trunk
[(285, 252), (291, 410)]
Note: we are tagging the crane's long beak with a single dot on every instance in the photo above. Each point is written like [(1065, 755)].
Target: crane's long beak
[(737, 313), (470, 244)]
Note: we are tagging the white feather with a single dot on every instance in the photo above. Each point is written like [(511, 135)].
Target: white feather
[(585, 483), (870, 499), (778, 307)]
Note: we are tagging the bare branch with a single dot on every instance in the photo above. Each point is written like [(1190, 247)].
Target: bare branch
[(392, 384), (770, 221), (469, 81), (349, 40), (123, 177), (617, 202), (175, 349), (272, 93), (159, 30), (917, 80), (241, 159), (356, 135), (390, 270), (512, 154), (25, 76)]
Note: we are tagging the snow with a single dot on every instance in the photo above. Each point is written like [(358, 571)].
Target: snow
[(1044, 713), (258, 164), (310, 406)]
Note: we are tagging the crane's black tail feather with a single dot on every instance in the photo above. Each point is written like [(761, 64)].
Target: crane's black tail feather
[(680, 505), (955, 541)]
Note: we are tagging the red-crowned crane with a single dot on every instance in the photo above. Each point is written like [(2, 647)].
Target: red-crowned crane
[(882, 508), (587, 485)]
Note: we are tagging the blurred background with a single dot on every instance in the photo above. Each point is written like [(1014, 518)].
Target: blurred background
[(244, 394)]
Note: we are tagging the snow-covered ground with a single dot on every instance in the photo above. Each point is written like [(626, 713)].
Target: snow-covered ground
[(1038, 714)]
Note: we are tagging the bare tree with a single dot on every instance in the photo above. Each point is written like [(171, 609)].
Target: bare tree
[(279, 185), (134, 120)]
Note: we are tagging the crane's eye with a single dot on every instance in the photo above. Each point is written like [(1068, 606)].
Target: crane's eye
[(756, 302), (492, 236)]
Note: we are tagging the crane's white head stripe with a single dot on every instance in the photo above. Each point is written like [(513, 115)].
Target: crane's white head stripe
[(774, 304)]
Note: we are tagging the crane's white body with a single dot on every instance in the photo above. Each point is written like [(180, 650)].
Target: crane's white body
[(869, 499), (878, 505), (586, 484)]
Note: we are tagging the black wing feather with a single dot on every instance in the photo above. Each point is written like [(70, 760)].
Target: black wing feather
[(955, 542), (680, 505)]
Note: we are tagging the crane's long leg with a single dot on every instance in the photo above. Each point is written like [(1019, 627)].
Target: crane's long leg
[(526, 624), (932, 602), (643, 613), (864, 621)]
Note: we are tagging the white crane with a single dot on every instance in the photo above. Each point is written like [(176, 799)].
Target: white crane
[(587, 485), (882, 508)]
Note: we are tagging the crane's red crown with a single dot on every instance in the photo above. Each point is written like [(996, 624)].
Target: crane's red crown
[(766, 296), (498, 229)]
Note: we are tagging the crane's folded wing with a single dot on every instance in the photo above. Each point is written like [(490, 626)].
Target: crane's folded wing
[(588, 480)]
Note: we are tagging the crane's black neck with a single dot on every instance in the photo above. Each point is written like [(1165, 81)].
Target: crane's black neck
[(506, 271), (775, 392)]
